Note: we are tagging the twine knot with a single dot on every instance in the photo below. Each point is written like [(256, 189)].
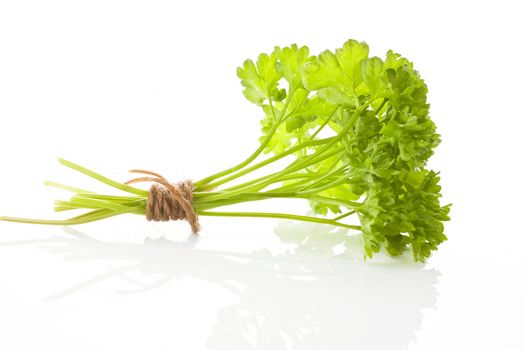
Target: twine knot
[(167, 201)]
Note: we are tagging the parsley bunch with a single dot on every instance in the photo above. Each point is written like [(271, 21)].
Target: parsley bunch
[(358, 135)]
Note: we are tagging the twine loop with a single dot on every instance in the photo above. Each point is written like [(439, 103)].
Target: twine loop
[(167, 201)]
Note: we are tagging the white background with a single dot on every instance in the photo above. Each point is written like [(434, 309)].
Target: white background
[(116, 85)]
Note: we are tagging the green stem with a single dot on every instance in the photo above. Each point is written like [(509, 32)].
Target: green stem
[(205, 203), (226, 193), (279, 216), (103, 179), (330, 172), (65, 187), (256, 181), (337, 218), (332, 184), (263, 163), (94, 215), (201, 183), (321, 127), (328, 142)]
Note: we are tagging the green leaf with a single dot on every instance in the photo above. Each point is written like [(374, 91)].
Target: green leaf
[(324, 72), (336, 97), (260, 79), (291, 62), (372, 72), (255, 89), (350, 58), (337, 76)]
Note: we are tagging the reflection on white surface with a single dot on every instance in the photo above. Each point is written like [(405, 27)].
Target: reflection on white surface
[(320, 295)]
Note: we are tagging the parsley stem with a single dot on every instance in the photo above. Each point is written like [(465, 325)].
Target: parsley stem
[(321, 127), (344, 215), (102, 179), (97, 214), (263, 163), (203, 182), (255, 154), (275, 178), (280, 216), (65, 187)]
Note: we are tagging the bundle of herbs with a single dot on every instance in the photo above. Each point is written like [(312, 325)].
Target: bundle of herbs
[(356, 133)]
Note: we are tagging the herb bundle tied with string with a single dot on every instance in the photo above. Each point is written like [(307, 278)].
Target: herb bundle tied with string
[(356, 131)]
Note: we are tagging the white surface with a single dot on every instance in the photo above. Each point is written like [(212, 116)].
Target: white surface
[(118, 85)]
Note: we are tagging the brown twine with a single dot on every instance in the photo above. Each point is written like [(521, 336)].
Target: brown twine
[(167, 201)]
